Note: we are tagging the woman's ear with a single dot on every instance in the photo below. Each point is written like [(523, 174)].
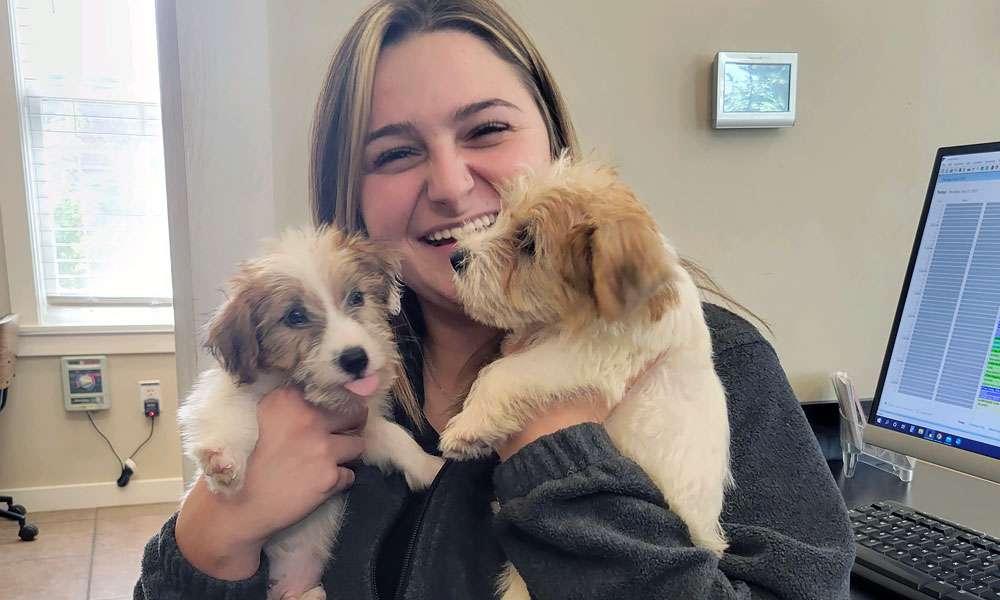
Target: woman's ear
[(232, 335)]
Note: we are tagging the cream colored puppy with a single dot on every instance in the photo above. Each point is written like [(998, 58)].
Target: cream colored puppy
[(312, 312), (576, 269)]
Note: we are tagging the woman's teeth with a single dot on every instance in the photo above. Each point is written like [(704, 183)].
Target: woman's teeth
[(455, 233)]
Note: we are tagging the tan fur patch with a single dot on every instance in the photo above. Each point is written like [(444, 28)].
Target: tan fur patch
[(597, 253)]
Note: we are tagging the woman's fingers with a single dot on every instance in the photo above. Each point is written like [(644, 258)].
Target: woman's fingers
[(344, 480), (343, 448), (348, 419), (312, 439)]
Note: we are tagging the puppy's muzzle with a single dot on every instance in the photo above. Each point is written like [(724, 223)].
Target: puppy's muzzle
[(354, 360), (459, 260)]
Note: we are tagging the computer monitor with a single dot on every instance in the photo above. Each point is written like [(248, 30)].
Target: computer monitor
[(938, 396)]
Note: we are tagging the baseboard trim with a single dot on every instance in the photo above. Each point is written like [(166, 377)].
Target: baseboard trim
[(93, 495)]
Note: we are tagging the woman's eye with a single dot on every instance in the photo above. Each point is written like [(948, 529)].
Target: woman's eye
[(488, 128), (296, 317), (394, 155), (356, 298)]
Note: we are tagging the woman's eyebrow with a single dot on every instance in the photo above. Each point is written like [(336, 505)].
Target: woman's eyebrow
[(404, 128), (470, 109)]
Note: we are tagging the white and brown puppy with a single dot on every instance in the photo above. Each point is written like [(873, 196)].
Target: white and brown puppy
[(577, 270), (312, 312)]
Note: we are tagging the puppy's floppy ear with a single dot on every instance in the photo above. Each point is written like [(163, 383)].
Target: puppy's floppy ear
[(394, 295), (631, 266), (232, 334), (386, 264), (390, 266), (578, 271)]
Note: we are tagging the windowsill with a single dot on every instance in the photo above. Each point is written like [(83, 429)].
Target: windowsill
[(70, 340)]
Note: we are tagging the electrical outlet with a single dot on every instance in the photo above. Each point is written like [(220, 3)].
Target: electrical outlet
[(149, 395)]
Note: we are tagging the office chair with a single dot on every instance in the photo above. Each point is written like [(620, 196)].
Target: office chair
[(8, 357)]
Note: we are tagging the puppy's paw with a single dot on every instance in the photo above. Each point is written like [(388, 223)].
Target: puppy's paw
[(223, 471), (711, 539), (420, 475), (511, 586), (317, 593), (464, 439)]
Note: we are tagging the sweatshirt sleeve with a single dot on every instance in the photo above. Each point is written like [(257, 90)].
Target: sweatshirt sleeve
[(579, 520), (167, 575)]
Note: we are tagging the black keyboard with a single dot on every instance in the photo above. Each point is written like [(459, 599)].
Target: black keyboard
[(922, 556)]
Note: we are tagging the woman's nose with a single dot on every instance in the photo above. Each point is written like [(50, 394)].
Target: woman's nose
[(449, 179)]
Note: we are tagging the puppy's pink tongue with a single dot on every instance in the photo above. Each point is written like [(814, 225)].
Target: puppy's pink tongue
[(365, 386)]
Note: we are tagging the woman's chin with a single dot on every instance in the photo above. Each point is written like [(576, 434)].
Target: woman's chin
[(439, 293)]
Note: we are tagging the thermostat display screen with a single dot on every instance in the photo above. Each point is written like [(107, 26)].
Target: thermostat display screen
[(85, 381), (756, 87)]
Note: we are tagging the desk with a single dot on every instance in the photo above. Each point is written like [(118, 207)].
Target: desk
[(947, 494)]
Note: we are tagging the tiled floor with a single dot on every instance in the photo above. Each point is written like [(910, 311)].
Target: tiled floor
[(89, 554)]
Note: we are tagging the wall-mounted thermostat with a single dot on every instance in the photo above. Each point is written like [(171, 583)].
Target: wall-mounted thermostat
[(755, 89), (85, 383)]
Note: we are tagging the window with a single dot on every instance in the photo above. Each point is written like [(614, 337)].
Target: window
[(88, 94)]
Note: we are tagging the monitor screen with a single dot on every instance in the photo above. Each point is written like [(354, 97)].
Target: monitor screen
[(941, 379)]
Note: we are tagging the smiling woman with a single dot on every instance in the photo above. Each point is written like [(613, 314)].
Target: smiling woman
[(440, 169), (428, 108)]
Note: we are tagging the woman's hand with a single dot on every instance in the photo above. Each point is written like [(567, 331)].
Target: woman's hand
[(295, 466), (584, 407)]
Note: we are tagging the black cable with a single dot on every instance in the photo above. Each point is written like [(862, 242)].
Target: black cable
[(152, 423), (98, 429), (127, 471)]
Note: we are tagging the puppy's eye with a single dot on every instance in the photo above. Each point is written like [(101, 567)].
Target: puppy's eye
[(296, 317), (356, 298), (525, 241)]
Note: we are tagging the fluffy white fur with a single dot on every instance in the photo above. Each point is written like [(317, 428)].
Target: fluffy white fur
[(673, 421), (314, 272)]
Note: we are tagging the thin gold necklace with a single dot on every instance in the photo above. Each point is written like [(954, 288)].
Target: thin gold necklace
[(432, 372), (429, 369)]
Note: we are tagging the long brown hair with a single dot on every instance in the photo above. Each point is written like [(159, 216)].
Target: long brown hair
[(344, 107)]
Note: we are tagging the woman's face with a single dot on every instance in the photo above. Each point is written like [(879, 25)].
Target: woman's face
[(449, 121)]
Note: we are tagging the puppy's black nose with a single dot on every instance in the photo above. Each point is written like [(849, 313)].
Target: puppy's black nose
[(458, 260), (354, 360)]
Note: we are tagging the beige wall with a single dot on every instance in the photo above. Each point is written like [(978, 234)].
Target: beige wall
[(810, 226), (43, 445)]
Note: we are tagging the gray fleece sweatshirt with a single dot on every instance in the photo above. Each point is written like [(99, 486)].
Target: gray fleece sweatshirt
[(579, 520)]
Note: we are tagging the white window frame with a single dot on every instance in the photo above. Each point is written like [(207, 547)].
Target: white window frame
[(23, 286)]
